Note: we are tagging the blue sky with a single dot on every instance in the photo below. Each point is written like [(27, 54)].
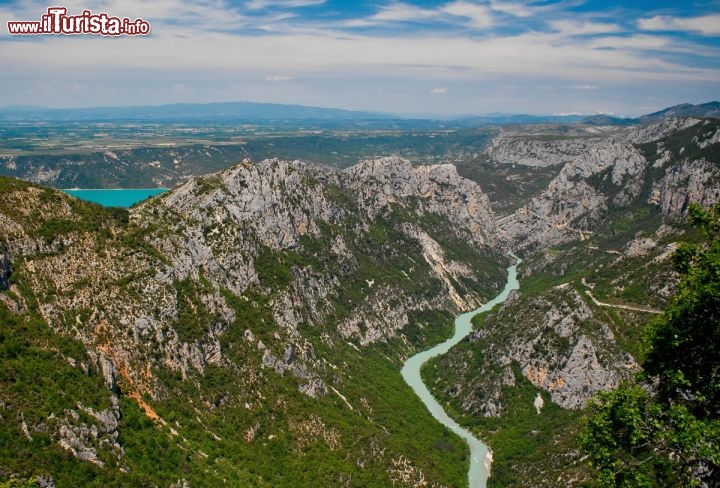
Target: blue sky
[(409, 57)]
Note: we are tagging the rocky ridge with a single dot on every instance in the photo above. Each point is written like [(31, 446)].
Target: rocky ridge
[(251, 271), (603, 174), (603, 179), (606, 226), (564, 347), (261, 271)]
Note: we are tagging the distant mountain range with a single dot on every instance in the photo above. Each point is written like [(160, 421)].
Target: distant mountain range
[(710, 109), (189, 112), (264, 113)]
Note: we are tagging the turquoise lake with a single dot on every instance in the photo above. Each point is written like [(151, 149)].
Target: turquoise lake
[(116, 198)]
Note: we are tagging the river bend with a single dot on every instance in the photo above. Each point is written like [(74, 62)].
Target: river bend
[(480, 458)]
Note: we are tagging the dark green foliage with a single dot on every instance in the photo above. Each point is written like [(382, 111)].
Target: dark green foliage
[(194, 319), (507, 186), (43, 222), (669, 437), (252, 310), (36, 381), (429, 327), (633, 440), (206, 184), (220, 394), (208, 414), (20, 483), (521, 440), (684, 347), (274, 268)]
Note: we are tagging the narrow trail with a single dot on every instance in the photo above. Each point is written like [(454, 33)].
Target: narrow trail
[(624, 307)]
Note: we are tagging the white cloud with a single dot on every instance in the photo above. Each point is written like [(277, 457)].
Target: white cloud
[(512, 8), (195, 16), (402, 12), (640, 41), (279, 78), (357, 23), (479, 15), (206, 14), (341, 60), (435, 56), (574, 28), (261, 4), (708, 25)]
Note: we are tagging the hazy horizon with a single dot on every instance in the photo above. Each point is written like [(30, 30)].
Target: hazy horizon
[(379, 113)]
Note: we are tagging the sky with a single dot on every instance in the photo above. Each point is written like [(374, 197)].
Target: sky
[(449, 58)]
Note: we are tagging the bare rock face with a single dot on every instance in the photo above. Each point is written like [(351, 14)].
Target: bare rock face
[(277, 202), (563, 347), (560, 352), (5, 268), (558, 340), (84, 438), (257, 273), (639, 247), (610, 172), (531, 150), (238, 233), (45, 481), (259, 269), (572, 206), (685, 183), (661, 129), (438, 189), (448, 271)]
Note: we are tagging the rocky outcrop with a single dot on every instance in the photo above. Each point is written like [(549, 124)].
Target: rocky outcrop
[(436, 189), (231, 232), (264, 269), (530, 150), (660, 129), (84, 432), (573, 205), (687, 182), (639, 247), (259, 274), (604, 173), (562, 347), (5, 268)]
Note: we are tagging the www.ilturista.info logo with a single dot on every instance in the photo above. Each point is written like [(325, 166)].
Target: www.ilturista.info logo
[(57, 21)]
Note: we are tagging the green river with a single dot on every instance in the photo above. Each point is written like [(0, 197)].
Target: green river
[(480, 457)]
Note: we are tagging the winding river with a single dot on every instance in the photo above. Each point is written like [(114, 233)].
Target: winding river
[(480, 457)]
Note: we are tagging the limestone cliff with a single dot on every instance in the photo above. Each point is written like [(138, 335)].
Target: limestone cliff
[(263, 274), (603, 174)]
